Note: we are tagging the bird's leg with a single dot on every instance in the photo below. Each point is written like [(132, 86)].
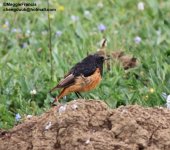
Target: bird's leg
[(62, 94), (77, 95), (55, 102)]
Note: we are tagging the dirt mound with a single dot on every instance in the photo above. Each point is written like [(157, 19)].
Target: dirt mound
[(90, 124)]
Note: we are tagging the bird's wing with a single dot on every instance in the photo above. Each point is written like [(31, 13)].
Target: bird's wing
[(86, 67), (67, 81)]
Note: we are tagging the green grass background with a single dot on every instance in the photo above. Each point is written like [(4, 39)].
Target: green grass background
[(25, 55)]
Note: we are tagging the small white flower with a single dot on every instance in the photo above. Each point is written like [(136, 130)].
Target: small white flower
[(28, 32), (100, 5), (44, 32), (74, 18), (62, 109), (141, 6), (87, 14), (158, 32), (74, 106), (48, 126), (87, 141), (29, 116), (33, 92), (168, 101), (137, 39)]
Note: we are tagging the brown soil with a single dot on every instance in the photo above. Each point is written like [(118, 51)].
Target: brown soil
[(89, 125)]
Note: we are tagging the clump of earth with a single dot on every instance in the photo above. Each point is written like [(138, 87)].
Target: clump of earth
[(91, 125)]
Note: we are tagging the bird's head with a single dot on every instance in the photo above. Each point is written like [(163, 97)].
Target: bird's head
[(101, 56), (101, 52)]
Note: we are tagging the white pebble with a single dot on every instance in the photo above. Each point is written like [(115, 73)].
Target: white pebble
[(87, 141), (62, 109), (48, 125), (29, 116), (74, 106), (124, 111)]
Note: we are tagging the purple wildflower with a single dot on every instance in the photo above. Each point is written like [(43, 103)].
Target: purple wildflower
[(137, 39), (58, 33), (17, 117), (101, 27)]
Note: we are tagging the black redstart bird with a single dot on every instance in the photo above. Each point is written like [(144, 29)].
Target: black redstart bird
[(84, 76)]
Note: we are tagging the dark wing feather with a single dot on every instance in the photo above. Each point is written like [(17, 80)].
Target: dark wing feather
[(86, 67), (67, 81)]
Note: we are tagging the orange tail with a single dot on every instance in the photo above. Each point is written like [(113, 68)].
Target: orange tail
[(62, 94)]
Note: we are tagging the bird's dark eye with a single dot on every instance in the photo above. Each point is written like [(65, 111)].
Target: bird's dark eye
[(102, 57)]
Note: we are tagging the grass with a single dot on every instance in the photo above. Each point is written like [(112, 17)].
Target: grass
[(25, 56)]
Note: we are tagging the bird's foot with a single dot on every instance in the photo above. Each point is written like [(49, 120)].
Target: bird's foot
[(55, 102)]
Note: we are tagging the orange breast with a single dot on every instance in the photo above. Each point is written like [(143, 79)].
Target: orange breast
[(89, 83)]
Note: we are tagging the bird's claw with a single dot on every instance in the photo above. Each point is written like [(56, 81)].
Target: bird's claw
[(55, 102)]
